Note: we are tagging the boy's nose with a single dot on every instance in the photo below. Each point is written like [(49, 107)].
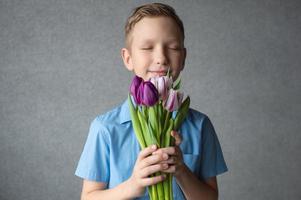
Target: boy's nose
[(160, 57)]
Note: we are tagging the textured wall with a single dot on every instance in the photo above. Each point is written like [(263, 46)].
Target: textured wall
[(60, 66)]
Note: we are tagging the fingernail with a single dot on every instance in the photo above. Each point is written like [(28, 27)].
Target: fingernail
[(165, 156), (154, 146)]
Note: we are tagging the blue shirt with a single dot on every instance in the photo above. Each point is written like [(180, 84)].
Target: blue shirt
[(111, 149)]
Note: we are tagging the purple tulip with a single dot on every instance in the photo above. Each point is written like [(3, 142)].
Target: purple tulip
[(174, 100), (144, 92), (136, 82), (163, 84), (149, 93)]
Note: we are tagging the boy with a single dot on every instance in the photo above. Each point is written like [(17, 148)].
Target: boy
[(112, 164)]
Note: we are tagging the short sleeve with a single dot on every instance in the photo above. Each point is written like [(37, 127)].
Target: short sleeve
[(94, 161), (212, 159)]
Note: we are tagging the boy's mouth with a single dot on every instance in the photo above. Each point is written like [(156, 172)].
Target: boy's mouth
[(158, 73)]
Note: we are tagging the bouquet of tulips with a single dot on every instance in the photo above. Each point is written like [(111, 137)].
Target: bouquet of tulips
[(152, 119)]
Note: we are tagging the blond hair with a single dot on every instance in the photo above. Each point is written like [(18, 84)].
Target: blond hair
[(151, 10)]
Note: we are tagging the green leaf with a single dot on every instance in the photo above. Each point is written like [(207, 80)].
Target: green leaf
[(167, 133), (161, 114), (177, 84), (167, 117), (146, 130), (153, 120), (136, 123), (182, 113), (144, 112), (168, 73)]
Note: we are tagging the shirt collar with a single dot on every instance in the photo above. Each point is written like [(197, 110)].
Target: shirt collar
[(125, 112)]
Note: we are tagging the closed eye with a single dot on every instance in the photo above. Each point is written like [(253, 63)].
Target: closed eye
[(147, 48), (175, 48)]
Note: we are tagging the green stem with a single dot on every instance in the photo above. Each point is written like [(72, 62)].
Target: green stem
[(136, 125), (150, 193), (158, 123), (165, 133), (170, 187), (155, 193), (160, 189), (167, 116), (166, 187)]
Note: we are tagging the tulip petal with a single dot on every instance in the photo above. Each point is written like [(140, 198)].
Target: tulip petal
[(134, 88), (150, 94)]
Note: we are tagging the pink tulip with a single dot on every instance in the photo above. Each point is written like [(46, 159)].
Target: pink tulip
[(163, 84), (174, 100)]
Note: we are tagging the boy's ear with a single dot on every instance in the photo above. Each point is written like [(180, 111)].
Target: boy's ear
[(126, 57)]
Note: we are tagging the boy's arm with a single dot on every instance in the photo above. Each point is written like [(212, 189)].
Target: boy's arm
[(145, 165), (96, 190), (193, 188)]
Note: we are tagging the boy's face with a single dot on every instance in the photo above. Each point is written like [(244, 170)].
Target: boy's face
[(156, 44)]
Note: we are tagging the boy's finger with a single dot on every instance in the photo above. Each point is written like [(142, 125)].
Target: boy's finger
[(153, 159), (177, 136), (170, 169), (153, 169), (153, 180), (170, 160), (169, 150), (147, 151)]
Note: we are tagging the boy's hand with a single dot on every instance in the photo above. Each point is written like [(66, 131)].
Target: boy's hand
[(175, 161), (147, 164)]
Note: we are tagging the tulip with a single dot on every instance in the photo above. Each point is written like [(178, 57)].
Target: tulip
[(174, 100), (144, 92), (163, 84), (148, 93), (152, 119), (136, 82)]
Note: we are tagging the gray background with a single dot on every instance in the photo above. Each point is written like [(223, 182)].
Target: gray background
[(60, 66)]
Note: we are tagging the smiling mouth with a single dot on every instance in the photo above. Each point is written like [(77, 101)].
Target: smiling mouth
[(159, 73)]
